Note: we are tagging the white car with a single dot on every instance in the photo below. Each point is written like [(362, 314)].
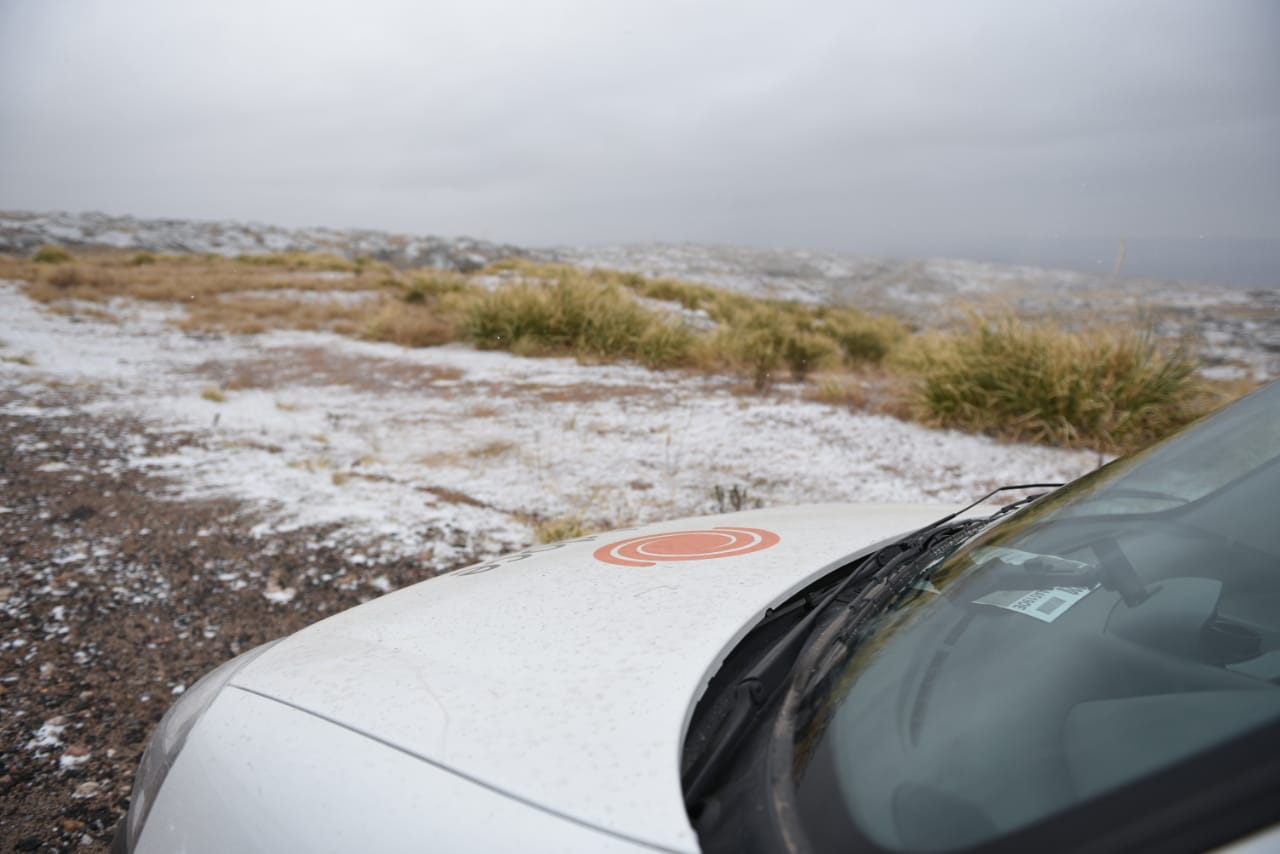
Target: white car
[(1097, 669)]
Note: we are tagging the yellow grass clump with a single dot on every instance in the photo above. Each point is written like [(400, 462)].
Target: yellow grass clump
[(1107, 388), (575, 314)]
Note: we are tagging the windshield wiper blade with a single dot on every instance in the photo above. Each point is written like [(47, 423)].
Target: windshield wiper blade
[(753, 693), (1017, 505)]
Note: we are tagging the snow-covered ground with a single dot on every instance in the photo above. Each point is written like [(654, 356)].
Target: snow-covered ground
[(445, 452)]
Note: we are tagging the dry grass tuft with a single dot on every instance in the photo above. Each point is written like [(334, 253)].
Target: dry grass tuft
[(1108, 388), (409, 325), (492, 449), (766, 340), (573, 313), (564, 528), (77, 281), (50, 254)]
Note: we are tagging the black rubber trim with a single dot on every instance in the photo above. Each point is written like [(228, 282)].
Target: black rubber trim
[(119, 839)]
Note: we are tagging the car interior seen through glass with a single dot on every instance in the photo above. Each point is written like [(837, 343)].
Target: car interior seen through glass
[(1112, 630)]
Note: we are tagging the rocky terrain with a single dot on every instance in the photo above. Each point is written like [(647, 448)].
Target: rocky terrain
[(113, 600), (168, 499)]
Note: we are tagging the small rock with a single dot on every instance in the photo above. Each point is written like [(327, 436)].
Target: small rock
[(86, 789), (70, 825)]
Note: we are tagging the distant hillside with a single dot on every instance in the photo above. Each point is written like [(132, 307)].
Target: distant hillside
[(913, 287), (21, 233), (1234, 326)]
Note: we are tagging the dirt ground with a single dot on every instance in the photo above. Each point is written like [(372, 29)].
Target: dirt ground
[(113, 600)]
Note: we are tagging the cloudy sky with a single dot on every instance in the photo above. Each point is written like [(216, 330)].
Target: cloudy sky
[(997, 129)]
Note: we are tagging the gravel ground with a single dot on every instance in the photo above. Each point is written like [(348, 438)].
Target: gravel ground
[(113, 600)]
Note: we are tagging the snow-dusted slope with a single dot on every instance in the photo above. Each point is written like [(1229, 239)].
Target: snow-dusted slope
[(22, 232), (1239, 330), (444, 452)]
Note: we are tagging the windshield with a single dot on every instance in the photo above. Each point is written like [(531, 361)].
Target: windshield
[(1120, 626)]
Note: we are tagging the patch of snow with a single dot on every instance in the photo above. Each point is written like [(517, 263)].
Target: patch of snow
[(457, 460), (73, 760), (49, 734), (279, 595)]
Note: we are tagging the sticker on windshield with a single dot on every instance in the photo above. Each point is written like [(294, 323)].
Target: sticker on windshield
[(686, 545), (1045, 605)]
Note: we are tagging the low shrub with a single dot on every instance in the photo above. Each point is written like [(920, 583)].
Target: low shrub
[(409, 325), (666, 345), (761, 338), (862, 337), (1110, 389), (564, 528), (572, 314), (81, 282), (768, 338), (50, 254), (687, 294)]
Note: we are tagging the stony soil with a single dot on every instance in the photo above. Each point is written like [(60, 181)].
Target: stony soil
[(112, 600)]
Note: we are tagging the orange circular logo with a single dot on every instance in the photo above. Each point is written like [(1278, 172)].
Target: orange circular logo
[(687, 545)]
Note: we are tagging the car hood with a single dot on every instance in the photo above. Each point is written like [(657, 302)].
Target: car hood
[(565, 675)]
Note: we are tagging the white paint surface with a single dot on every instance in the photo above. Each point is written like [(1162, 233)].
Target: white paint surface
[(558, 678), (257, 777)]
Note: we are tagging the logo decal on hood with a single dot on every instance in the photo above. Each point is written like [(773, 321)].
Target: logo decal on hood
[(686, 545)]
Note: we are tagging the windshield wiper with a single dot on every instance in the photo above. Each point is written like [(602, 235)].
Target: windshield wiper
[(753, 693)]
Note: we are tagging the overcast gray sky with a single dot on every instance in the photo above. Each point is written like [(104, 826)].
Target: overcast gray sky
[(992, 128)]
